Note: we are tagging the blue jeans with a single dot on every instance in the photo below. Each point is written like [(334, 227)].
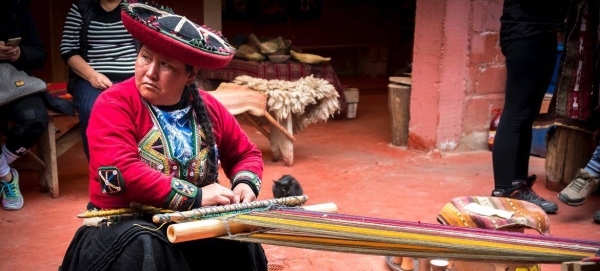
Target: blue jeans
[(593, 166), (84, 96)]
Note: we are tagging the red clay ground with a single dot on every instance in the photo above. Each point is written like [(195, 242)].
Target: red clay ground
[(347, 162)]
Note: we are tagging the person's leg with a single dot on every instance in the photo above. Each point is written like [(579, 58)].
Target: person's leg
[(84, 96), (5, 174), (30, 120), (593, 166), (585, 183), (530, 64)]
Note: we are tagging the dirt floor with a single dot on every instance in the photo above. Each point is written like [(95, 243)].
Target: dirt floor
[(349, 162)]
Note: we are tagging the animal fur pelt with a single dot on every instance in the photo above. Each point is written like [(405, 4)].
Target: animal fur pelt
[(309, 100)]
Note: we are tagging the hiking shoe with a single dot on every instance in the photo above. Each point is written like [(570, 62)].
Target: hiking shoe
[(597, 216), (522, 190), (11, 195), (579, 189)]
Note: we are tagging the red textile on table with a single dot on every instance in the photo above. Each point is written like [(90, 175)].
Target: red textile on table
[(290, 71)]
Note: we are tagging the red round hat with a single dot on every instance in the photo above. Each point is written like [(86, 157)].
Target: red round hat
[(175, 36)]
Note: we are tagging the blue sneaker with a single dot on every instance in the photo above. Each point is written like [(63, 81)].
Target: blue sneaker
[(11, 195)]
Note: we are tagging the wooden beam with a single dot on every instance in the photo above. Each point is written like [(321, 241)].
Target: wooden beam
[(399, 104), (212, 14), (255, 124), (276, 124), (58, 13)]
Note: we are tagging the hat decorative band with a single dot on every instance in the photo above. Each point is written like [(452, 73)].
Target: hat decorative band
[(176, 36)]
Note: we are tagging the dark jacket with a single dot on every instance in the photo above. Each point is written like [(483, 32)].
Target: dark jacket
[(527, 18), (16, 21)]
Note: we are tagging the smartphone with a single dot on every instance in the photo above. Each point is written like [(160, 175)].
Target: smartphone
[(13, 42)]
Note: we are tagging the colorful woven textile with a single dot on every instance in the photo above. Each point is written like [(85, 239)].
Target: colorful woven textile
[(576, 95), (294, 227), (526, 214), (58, 90), (357, 234)]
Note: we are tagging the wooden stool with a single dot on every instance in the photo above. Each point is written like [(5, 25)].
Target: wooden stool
[(526, 215), (568, 151)]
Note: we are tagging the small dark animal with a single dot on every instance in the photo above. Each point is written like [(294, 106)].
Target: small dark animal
[(287, 186)]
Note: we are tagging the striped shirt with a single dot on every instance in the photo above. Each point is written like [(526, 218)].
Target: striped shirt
[(111, 49)]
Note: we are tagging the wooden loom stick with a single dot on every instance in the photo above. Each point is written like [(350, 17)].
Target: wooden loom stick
[(208, 228), (122, 211), (212, 210)]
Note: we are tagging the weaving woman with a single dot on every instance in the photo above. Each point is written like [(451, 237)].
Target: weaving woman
[(157, 140)]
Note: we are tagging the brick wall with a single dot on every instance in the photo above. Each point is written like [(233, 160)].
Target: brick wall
[(458, 74), (487, 73)]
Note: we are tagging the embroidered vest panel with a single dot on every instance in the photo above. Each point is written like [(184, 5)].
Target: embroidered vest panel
[(154, 151)]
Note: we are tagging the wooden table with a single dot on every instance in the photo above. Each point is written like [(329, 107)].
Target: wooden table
[(281, 143), (241, 100)]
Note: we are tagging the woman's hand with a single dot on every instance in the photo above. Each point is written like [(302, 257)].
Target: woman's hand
[(10, 53), (243, 193), (85, 71), (216, 194), (99, 81)]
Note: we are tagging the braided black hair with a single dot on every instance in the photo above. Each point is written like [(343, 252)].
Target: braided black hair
[(206, 125)]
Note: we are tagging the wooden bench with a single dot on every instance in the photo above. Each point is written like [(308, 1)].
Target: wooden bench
[(53, 143)]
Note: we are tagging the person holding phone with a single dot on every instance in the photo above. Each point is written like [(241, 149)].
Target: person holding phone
[(9, 52), (14, 42), (21, 47)]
